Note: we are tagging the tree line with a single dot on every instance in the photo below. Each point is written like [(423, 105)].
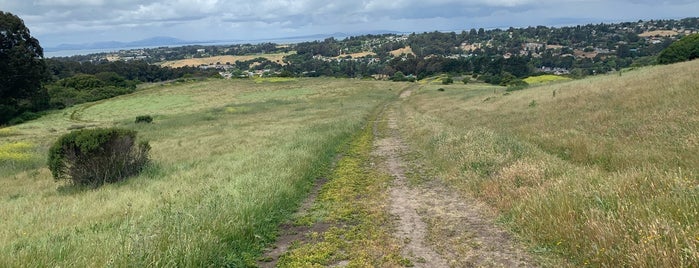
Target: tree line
[(30, 84)]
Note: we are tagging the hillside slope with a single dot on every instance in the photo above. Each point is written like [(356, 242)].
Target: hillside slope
[(601, 171)]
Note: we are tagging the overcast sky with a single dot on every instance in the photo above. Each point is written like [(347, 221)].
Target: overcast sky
[(55, 22)]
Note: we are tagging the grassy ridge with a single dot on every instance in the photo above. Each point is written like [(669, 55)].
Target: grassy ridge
[(232, 159), (601, 171)]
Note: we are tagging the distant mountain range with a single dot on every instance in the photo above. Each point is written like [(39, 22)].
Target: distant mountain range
[(171, 41), (150, 42)]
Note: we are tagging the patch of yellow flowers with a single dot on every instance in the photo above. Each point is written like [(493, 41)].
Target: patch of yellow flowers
[(16, 151)]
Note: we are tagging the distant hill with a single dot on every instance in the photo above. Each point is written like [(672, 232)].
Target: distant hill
[(149, 42), (171, 41)]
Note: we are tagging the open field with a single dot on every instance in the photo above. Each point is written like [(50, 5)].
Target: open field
[(658, 33), (277, 57), (601, 171), (231, 160), (406, 50)]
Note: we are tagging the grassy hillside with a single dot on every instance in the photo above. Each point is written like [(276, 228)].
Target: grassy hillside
[(231, 160), (602, 171)]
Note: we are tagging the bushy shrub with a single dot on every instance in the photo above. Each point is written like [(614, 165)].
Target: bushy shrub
[(24, 117), (97, 156), (447, 81), (684, 49), (144, 119)]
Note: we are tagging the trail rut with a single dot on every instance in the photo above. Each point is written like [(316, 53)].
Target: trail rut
[(440, 227)]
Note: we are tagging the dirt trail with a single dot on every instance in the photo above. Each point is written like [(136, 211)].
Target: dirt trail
[(440, 227), (291, 233)]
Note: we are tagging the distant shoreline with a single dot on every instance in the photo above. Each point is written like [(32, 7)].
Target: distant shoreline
[(58, 52)]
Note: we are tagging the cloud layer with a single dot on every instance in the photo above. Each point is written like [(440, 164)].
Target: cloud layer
[(79, 21)]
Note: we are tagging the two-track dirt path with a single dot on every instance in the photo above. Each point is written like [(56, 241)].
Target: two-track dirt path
[(440, 228)]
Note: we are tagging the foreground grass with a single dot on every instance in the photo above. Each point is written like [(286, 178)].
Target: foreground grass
[(601, 171), (231, 161)]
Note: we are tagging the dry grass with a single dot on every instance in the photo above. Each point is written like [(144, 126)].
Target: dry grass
[(603, 174), (278, 58), (666, 33), (359, 54), (406, 50)]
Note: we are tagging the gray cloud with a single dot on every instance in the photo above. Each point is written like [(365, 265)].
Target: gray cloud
[(77, 21)]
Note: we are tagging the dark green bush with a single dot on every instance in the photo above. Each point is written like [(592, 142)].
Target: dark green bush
[(24, 117), (447, 81), (97, 156), (684, 49), (144, 119)]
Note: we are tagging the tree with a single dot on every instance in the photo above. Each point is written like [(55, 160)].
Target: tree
[(22, 69), (685, 49)]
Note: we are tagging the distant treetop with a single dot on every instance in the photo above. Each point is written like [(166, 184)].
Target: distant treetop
[(684, 49)]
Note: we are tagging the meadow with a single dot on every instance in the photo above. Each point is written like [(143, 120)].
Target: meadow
[(231, 160), (596, 172), (600, 171)]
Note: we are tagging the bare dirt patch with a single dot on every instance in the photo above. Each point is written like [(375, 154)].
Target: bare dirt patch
[(290, 233), (440, 227)]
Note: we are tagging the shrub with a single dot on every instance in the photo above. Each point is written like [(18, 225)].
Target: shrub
[(466, 80), (447, 81), (440, 89), (24, 117), (144, 119), (97, 156)]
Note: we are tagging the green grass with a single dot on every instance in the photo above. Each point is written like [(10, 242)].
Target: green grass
[(220, 183), (603, 172), (547, 78)]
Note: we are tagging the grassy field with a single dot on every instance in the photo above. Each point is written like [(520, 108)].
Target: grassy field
[(231, 160), (602, 171)]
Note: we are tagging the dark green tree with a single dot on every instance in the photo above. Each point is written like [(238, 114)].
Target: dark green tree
[(22, 69), (685, 49)]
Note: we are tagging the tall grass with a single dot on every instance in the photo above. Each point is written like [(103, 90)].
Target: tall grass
[(220, 184), (602, 172)]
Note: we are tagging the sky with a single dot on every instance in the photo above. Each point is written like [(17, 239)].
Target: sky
[(56, 22)]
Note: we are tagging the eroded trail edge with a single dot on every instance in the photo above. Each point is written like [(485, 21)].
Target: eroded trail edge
[(439, 227)]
